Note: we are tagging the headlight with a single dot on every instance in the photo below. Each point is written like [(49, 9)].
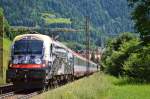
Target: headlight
[(15, 61), (24, 61), (37, 61)]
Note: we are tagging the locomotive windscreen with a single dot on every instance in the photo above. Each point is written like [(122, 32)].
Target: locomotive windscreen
[(28, 47)]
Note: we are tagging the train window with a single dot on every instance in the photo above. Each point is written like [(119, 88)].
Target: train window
[(76, 61), (79, 61), (51, 49), (82, 62), (28, 47)]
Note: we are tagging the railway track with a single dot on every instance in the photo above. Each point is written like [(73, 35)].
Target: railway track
[(30, 95), (6, 88), (6, 95), (20, 94), (8, 92)]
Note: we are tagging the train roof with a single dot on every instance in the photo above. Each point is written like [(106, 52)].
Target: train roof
[(60, 44), (37, 36)]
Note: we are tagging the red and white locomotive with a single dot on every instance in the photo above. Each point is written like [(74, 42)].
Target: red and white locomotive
[(37, 61)]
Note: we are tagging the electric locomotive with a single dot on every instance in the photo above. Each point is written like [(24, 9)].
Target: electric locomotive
[(30, 62)]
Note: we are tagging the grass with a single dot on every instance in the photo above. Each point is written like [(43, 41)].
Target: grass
[(130, 92), (99, 86), (6, 48)]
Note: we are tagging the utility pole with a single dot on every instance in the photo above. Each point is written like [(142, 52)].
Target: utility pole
[(102, 41), (87, 32), (1, 43)]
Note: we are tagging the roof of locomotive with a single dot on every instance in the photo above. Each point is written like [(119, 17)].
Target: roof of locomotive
[(37, 36), (59, 44)]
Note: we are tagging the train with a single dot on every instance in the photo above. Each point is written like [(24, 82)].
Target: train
[(37, 61)]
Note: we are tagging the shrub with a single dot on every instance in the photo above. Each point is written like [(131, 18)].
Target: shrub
[(138, 64), (117, 52)]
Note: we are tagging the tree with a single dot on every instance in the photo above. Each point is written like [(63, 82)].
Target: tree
[(141, 16), (138, 64), (1, 22), (117, 52), (4, 26)]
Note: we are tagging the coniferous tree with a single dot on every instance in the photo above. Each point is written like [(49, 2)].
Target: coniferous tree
[(141, 16)]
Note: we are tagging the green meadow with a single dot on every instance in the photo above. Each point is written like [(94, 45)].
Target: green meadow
[(99, 86)]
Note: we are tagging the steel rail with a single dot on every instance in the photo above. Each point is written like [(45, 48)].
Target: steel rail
[(6, 88)]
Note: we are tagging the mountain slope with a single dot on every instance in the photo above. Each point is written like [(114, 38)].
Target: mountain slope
[(106, 16)]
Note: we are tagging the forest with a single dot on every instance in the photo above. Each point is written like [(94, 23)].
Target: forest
[(106, 17)]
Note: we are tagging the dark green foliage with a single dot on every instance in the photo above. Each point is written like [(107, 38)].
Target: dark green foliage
[(1, 11), (127, 56), (5, 24), (106, 16), (138, 64), (141, 16), (117, 52)]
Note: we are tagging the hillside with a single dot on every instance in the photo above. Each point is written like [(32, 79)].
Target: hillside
[(106, 16)]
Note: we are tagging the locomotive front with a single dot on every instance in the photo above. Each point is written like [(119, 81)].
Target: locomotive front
[(27, 67)]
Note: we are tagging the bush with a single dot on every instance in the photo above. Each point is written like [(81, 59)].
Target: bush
[(138, 64), (129, 58), (117, 52)]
